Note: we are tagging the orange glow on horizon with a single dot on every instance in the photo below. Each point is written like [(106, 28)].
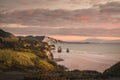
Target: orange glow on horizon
[(80, 38), (70, 38), (76, 38)]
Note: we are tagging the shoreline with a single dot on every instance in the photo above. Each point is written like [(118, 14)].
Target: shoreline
[(58, 59), (85, 61)]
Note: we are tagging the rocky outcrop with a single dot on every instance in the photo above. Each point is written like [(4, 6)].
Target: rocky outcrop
[(48, 54), (50, 40)]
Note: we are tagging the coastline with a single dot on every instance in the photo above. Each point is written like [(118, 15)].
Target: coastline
[(85, 61), (58, 59)]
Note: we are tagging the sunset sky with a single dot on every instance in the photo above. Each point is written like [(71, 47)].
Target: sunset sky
[(70, 20)]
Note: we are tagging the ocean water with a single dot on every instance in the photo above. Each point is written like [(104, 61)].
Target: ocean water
[(88, 56)]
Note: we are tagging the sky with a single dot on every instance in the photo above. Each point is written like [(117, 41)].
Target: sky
[(70, 20)]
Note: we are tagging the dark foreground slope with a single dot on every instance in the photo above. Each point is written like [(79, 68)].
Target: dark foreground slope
[(113, 71)]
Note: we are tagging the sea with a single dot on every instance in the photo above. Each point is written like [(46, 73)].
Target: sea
[(93, 56)]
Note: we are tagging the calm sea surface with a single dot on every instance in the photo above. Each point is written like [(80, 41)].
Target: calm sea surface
[(88, 56), (91, 48)]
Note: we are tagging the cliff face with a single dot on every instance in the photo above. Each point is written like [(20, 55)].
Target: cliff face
[(48, 54), (46, 49), (50, 40)]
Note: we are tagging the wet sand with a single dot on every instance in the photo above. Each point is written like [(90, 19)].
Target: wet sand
[(87, 61)]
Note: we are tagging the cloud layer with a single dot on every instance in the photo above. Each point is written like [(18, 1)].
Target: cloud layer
[(100, 20), (49, 4)]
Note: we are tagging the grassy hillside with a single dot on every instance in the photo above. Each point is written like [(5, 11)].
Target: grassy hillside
[(113, 71), (29, 55), (26, 55), (15, 60), (23, 55)]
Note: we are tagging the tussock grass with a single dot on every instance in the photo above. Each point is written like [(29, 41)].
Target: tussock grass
[(45, 65), (24, 58), (14, 60), (6, 56)]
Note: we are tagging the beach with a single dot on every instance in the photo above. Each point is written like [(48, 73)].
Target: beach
[(86, 60)]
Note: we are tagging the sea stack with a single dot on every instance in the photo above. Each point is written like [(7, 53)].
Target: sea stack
[(59, 49)]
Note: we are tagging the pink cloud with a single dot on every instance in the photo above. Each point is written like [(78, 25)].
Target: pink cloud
[(30, 12), (85, 17), (84, 21), (117, 24)]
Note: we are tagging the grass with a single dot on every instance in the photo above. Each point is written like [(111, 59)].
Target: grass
[(45, 65), (24, 58), (6, 57), (14, 39), (14, 60)]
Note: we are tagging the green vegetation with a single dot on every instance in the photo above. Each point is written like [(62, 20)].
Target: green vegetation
[(29, 55), (10, 39), (113, 71), (66, 75), (14, 60), (6, 57), (18, 54)]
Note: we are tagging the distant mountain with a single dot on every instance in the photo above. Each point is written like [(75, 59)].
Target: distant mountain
[(5, 34), (95, 40), (115, 41)]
